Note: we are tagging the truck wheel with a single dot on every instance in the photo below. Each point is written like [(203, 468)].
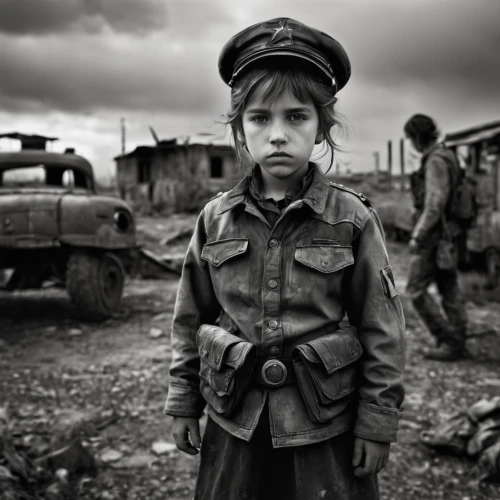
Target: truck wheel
[(492, 258), (95, 284)]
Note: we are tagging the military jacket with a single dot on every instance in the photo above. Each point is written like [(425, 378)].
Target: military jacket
[(276, 287)]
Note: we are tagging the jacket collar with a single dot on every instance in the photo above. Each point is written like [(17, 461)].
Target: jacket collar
[(315, 196), (434, 148)]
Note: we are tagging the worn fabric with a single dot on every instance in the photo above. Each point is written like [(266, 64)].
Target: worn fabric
[(431, 186), (451, 325), (233, 469), (280, 286)]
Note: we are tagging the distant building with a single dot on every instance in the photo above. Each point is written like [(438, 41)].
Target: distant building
[(478, 149), (178, 174)]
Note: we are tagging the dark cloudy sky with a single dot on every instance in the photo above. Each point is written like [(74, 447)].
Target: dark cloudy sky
[(72, 68)]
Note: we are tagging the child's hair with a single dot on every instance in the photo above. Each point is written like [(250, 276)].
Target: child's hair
[(422, 131), (300, 82)]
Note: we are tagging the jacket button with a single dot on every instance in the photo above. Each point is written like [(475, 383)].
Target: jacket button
[(204, 353), (273, 243), (274, 350), (272, 284), (273, 324), (216, 261)]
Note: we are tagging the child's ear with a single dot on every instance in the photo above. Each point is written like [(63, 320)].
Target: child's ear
[(240, 138), (320, 137)]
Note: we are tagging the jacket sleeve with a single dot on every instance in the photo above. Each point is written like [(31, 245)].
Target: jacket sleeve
[(437, 190), (374, 308), (195, 305)]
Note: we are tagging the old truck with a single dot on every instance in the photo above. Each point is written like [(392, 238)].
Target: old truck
[(54, 226), (478, 150)]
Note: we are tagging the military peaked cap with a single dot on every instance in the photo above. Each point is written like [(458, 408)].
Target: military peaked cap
[(285, 37)]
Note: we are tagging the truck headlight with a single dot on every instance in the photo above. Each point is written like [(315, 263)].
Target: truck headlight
[(123, 220)]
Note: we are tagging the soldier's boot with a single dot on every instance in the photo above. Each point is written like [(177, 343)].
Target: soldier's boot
[(448, 349)]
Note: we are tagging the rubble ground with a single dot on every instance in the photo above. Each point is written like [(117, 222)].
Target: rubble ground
[(82, 404)]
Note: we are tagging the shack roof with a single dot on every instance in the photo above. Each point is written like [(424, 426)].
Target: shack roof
[(29, 141), (212, 141), (20, 159), (472, 135)]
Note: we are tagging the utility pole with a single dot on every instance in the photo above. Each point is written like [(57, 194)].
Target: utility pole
[(123, 133), (402, 161)]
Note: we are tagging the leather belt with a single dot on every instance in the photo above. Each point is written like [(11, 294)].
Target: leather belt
[(274, 372)]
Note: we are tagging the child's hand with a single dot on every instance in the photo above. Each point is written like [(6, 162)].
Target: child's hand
[(186, 432), (370, 457)]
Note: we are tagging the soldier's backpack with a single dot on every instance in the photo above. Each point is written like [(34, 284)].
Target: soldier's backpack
[(462, 204)]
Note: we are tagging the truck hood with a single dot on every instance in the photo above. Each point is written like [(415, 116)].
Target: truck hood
[(57, 214)]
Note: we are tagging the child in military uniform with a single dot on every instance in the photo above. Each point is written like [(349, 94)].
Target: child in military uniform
[(300, 404)]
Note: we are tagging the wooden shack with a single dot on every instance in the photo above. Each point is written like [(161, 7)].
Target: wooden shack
[(478, 149), (178, 174)]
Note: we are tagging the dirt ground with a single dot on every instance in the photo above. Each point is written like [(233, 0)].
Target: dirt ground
[(51, 365)]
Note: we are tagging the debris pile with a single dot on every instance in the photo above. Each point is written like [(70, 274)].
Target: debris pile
[(474, 433), (47, 458)]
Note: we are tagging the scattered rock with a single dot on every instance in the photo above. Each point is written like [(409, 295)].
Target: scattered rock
[(156, 333), (75, 332), (111, 456), (62, 475), (5, 473), (3, 344), (161, 316), (163, 447), (4, 414), (137, 461), (51, 329)]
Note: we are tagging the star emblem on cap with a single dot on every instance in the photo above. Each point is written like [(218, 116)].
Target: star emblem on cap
[(282, 32)]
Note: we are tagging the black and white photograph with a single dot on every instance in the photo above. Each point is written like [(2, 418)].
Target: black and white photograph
[(249, 250)]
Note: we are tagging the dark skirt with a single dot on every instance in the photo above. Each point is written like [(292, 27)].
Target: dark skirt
[(233, 469)]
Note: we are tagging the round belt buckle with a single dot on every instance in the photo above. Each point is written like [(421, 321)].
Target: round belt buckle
[(274, 373)]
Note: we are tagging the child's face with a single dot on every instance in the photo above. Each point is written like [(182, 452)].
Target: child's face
[(281, 135)]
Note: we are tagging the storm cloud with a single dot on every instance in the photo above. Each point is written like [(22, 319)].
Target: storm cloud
[(41, 17), (103, 58)]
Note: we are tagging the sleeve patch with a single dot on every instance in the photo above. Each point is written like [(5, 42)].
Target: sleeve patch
[(388, 282)]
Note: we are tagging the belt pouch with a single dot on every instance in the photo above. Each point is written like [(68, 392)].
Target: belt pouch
[(226, 365), (326, 371)]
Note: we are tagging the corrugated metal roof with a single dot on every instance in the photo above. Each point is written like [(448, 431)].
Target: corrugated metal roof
[(474, 134), (473, 137)]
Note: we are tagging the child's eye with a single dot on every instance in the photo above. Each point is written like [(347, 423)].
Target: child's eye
[(297, 117), (259, 118)]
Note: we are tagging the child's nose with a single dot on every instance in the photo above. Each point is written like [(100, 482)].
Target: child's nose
[(278, 134)]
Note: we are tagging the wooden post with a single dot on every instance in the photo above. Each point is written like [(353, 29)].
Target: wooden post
[(389, 161), (376, 156), (402, 160)]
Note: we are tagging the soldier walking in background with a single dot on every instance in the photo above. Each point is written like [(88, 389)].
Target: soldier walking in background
[(434, 242)]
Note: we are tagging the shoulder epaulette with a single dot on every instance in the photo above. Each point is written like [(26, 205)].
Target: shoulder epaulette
[(361, 196), (220, 193)]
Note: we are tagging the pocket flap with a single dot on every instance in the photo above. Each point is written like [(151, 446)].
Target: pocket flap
[(334, 351), (217, 346), (218, 252), (324, 258)]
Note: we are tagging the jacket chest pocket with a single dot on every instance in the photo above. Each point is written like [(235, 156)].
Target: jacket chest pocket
[(229, 266), (318, 267)]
